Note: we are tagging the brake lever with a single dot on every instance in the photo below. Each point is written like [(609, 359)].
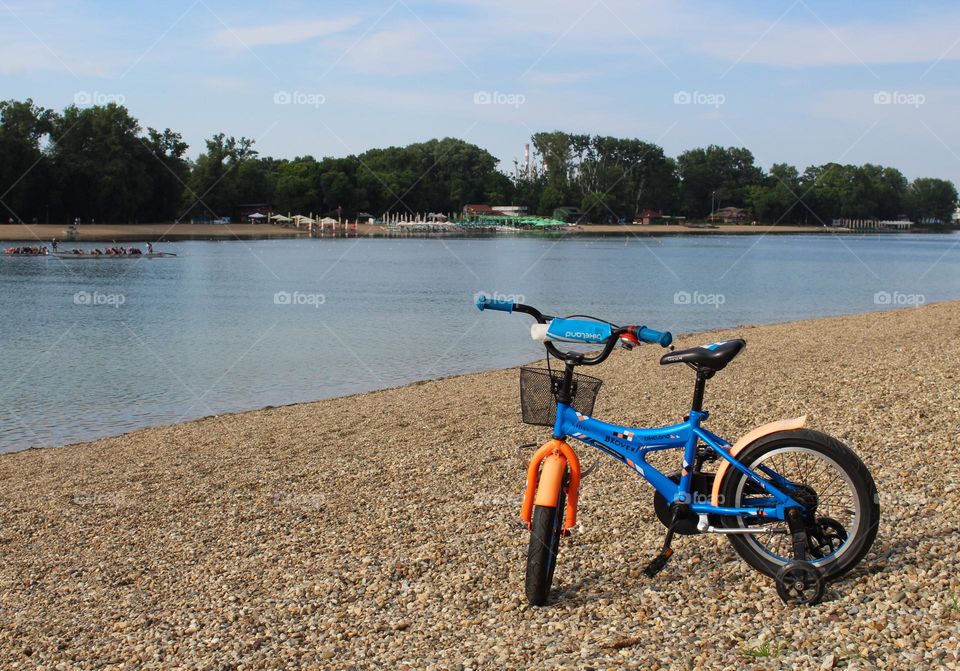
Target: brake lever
[(628, 341)]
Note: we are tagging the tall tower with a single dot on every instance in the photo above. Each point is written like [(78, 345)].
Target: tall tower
[(526, 160)]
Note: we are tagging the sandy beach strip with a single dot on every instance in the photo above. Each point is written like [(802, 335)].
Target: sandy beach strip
[(131, 232), (382, 529), (166, 231)]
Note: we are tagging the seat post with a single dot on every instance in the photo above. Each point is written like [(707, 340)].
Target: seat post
[(702, 376)]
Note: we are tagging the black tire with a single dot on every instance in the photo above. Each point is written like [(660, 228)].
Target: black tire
[(857, 494), (545, 530)]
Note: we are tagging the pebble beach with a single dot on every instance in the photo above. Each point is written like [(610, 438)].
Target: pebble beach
[(382, 530)]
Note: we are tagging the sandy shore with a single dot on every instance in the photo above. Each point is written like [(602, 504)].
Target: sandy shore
[(120, 232), (724, 229), (382, 529), (103, 232)]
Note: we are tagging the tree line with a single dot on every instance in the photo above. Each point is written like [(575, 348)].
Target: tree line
[(99, 164)]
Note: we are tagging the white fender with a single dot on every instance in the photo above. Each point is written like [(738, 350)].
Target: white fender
[(755, 434)]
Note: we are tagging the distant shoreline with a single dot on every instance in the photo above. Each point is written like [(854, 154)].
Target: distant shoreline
[(174, 232)]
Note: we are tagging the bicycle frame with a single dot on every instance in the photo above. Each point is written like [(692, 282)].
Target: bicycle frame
[(632, 445)]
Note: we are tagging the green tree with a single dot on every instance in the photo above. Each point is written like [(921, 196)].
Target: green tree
[(215, 184), (25, 171), (777, 199), (297, 187), (931, 199), (437, 175), (853, 192), (167, 171), (101, 163), (716, 177)]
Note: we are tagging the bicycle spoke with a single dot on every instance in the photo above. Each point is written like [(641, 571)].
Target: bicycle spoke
[(808, 471)]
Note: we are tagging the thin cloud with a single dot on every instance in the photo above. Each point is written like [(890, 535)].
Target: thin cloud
[(797, 42), (409, 51), (24, 58), (286, 32), (535, 78)]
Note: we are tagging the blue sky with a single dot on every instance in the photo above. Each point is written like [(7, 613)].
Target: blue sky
[(800, 81)]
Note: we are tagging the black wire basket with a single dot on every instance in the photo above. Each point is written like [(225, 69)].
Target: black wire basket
[(538, 394)]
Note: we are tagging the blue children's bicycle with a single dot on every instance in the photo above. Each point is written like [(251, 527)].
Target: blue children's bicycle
[(796, 504)]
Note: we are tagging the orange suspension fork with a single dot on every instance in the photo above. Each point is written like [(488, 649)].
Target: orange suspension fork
[(544, 484)]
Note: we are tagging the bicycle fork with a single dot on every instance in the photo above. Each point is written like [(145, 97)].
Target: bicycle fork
[(545, 477)]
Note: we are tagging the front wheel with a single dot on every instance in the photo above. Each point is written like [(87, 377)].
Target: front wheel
[(825, 476), (546, 527)]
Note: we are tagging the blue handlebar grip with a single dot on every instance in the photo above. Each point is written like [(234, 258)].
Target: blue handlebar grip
[(662, 338), (484, 303)]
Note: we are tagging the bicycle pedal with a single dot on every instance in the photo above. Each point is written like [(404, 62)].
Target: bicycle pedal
[(658, 563)]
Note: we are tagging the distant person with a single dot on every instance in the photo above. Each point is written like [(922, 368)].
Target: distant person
[(149, 248), (54, 244)]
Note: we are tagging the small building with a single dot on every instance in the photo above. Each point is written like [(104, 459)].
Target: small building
[(477, 210), (648, 217), (245, 210), (512, 210), (730, 215), (570, 215)]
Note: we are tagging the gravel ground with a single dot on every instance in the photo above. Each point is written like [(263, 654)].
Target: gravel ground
[(381, 530)]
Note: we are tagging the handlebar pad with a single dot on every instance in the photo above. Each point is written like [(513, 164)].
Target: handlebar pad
[(662, 338), (484, 303), (578, 330)]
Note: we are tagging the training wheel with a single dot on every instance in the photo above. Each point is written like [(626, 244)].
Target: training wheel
[(800, 583)]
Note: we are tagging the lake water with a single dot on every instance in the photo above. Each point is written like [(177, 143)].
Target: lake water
[(93, 348)]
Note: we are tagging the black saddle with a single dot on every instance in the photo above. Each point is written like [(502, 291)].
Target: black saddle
[(707, 357)]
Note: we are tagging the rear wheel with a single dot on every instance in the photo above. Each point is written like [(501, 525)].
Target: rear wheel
[(545, 530), (828, 479)]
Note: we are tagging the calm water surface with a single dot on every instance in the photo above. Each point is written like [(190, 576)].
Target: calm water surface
[(93, 348)]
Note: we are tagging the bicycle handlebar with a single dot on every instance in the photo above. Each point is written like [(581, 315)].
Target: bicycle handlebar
[(654, 337), (484, 303), (641, 333)]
